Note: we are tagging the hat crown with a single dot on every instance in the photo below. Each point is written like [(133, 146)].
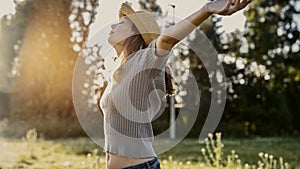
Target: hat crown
[(144, 21)]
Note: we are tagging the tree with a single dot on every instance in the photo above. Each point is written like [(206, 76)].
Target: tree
[(43, 94), (151, 6), (266, 56), (11, 38)]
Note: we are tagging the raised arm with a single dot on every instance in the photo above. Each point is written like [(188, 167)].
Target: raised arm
[(179, 31)]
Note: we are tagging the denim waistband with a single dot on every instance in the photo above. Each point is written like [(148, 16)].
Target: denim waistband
[(151, 164)]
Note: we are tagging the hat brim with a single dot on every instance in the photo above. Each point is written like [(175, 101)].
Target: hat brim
[(144, 21)]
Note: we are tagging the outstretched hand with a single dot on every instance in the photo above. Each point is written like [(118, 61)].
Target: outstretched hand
[(226, 7)]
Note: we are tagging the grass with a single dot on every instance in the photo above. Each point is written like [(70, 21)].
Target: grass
[(30, 152), (247, 149)]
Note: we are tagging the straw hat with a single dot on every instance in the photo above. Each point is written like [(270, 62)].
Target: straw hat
[(144, 22)]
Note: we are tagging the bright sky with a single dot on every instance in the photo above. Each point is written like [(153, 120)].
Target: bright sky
[(6, 7), (107, 12)]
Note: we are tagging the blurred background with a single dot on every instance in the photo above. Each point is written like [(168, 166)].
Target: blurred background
[(41, 40)]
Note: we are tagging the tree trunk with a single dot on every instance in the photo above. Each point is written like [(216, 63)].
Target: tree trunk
[(4, 70)]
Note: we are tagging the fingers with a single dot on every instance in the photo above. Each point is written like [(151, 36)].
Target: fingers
[(237, 6), (226, 8), (233, 7)]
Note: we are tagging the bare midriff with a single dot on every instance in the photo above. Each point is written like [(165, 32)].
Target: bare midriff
[(116, 162)]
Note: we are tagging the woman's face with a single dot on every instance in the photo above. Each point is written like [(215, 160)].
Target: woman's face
[(120, 32)]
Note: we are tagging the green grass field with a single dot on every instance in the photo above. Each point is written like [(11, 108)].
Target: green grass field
[(83, 153)]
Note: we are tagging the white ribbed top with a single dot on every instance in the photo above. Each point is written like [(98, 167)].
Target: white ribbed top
[(130, 105)]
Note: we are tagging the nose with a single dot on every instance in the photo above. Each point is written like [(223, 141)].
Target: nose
[(113, 26)]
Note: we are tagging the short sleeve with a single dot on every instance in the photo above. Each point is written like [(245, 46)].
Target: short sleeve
[(150, 58)]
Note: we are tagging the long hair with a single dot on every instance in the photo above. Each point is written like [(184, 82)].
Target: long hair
[(131, 45)]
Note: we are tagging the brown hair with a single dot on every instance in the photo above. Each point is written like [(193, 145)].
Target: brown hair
[(133, 44)]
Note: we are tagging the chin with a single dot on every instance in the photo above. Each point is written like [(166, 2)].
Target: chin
[(110, 41)]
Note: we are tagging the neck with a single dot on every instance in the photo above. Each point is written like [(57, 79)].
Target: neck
[(119, 49)]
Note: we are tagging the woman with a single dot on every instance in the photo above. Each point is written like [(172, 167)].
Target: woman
[(136, 93)]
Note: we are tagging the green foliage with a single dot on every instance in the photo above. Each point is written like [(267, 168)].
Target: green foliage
[(34, 152), (263, 73), (83, 153), (273, 20), (257, 88), (30, 139), (213, 151), (213, 156)]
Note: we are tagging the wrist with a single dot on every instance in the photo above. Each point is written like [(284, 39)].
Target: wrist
[(207, 9)]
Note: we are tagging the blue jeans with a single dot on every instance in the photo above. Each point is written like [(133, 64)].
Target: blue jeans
[(152, 164)]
